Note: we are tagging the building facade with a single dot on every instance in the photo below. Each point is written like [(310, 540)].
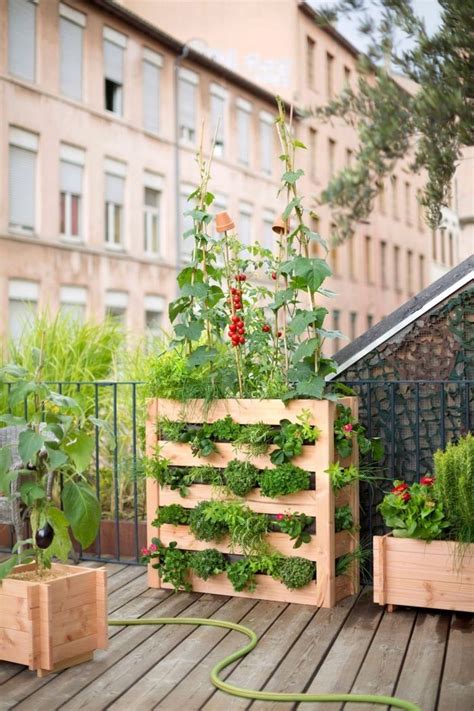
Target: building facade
[(101, 117)]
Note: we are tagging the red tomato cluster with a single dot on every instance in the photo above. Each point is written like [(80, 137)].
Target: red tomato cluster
[(237, 331)]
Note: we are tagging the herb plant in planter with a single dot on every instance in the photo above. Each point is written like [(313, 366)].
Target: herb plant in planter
[(243, 386), (428, 559), (64, 619)]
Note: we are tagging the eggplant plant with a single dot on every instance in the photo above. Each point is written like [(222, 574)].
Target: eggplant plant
[(48, 478)]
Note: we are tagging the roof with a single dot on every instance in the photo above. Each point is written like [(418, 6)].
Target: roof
[(427, 299), (183, 50), (330, 29)]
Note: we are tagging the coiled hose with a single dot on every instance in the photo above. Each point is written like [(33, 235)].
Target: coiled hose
[(254, 694)]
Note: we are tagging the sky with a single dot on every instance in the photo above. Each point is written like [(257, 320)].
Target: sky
[(429, 10)]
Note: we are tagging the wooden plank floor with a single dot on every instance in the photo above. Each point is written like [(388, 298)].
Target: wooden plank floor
[(425, 657)]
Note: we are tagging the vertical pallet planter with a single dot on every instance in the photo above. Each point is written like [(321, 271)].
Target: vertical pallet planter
[(418, 573), (319, 501), (54, 624)]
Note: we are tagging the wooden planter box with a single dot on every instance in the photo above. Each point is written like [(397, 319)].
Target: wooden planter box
[(54, 624), (325, 546), (411, 572)]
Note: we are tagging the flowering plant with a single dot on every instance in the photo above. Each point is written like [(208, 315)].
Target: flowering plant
[(414, 511), (347, 429)]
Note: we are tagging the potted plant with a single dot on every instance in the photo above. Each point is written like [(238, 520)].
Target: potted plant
[(52, 615), (242, 428), (428, 559)]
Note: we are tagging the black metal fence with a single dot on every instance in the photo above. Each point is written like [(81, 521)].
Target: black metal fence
[(413, 419)]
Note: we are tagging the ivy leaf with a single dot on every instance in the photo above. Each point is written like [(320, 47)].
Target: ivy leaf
[(61, 544), (305, 349), (79, 448), (191, 331), (202, 355), (291, 176), (29, 443), (82, 511), (313, 387)]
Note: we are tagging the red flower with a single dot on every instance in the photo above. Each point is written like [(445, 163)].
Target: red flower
[(145, 551), (399, 489), (274, 276), (279, 517), (406, 497), (347, 428), (153, 548), (427, 480)]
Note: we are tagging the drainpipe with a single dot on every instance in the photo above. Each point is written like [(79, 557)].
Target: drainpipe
[(177, 63)]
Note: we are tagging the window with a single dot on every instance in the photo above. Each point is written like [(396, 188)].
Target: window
[(334, 260), (218, 106), (269, 237), (71, 30), (383, 263), (186, 244), (348, 157), (353, 324), (421, 271), (370, 321), (381, 187), (410, 272), (394, 183), (407, 204), (114, 200), (245, 223), (336, 314), (347, 78), (266, 142), (152, 213), (434, 245), (310, 64), (152, 63), (396, 268), (313, 136), (351, 256), (116, 303), (73, 300), (443, 245), (22, 181), (314, 245), (70, 191), (451, 249), (154, 309), (331, 156), (187, 104), (22, 304), (114, 46), (244, 114), (22, 38), (368, 259), (329, 75), (419, 212)]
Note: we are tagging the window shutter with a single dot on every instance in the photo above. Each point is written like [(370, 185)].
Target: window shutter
[(114, 189), (113, 60), (71, 178), (187, 104), (71, 58), (151, 96), (22, 38), (22, 188)]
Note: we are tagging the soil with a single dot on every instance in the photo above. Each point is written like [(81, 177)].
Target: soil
[(32, 576)]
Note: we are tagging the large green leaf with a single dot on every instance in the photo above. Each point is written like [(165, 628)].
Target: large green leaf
[(56, 458), (31, 492), (7, 566), (305, 318), (29, 443), (282, 297), (5, 460), (79, 448), (61, 544), (200, 291), (201, 355), (82, 511), (313, 387), (305, 349), (192, 331)]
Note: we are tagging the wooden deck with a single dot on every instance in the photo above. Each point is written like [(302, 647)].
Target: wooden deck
[(425, 657)]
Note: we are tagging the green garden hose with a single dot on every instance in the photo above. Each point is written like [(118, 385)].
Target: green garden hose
[(261, 695)]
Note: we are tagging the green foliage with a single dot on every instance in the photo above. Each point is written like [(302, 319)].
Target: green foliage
[(242, 572), (294, 525), (360, 554), (207, 563), (173, 514), (284, 479), (454, 486), (241, 477), (342, 476), (254, 440), (296, 572), (413, 511), (205, 527), (180, 478), (433, 116), (53, 444), (343, 519), (291, 437), (346, 428), (247, 529), (172, 564)]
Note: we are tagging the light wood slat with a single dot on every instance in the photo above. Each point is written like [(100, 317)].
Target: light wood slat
[(326, 560), (152, 488), (279, 541), (457, 685)]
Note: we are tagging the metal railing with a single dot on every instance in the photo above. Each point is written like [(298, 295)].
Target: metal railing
[(413, 418)]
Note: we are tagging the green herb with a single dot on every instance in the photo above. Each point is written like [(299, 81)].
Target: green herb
[(343, 519), (223, 430), (361, 555), (254, 440), (296, 572), (172, 563), (205, 527), (294, 525), (342, 476), (454, 487), (346, 429), (207, 563), (240, 477), (172, 431), (241, 574), (173, 514), (246, 528), (206, 474), (284, 479)]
